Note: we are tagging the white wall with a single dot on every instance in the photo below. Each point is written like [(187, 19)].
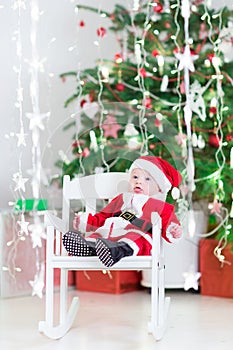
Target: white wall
[(59, 21)]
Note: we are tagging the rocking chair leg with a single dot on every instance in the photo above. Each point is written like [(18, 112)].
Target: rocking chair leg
[(66, 318), (159, 303)]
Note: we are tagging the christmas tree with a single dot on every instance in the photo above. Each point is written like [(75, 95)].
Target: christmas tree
[(166, 92)]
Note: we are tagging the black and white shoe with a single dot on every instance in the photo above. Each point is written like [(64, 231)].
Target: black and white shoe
[(77, 245), (110, 252)]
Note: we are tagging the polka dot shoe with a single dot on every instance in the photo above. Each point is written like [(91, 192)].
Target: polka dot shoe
[(77, 245), (110, 252)]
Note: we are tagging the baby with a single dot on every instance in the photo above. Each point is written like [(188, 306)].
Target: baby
[(123, 228)]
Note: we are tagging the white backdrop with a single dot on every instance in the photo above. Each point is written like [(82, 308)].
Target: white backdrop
[(58, 21)]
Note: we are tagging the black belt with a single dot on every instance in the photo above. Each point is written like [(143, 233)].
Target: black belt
[(127, 215)]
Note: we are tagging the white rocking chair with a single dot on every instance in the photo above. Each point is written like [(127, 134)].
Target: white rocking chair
[(89, 189)]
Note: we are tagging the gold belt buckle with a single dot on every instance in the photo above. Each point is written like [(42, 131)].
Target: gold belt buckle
[(127, 215)]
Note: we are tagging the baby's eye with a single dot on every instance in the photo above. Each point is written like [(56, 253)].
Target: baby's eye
[(147, 178), (135, 177)]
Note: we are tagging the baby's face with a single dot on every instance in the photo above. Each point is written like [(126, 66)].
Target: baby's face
[(143, 183)]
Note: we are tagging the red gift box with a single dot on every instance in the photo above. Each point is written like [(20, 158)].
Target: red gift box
[(216, 278), (71, 277), (57, 272), (115, 282)]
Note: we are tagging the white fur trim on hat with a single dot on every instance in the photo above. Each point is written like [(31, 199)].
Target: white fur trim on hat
[(158, 175), (175, 193)]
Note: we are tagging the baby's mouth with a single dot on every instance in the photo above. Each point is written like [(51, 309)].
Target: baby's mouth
[(137, 189)]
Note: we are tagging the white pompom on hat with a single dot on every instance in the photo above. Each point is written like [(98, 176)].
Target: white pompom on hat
[(166, 176)]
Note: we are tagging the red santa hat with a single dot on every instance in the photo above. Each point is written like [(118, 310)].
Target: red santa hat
[(166, 176)]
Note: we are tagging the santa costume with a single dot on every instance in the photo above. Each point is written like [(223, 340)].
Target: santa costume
[(123, 228)]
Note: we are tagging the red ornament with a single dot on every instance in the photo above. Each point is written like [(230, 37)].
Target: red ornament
[(142, 72), (192, 52), (118, 58), (182, 87), (213, 110), (211, 56), (120, 87), (147, 103), (63, 79), (101, 32), (82, 103), (214, 141), (158, 8), (112, 17), (155, 53), (85, 153), (167, 24), (77, 144), (157, 123), (178, 50), (81, 24), (92, 96), (152, 146)]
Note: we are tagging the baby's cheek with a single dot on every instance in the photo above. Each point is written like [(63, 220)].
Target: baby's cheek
[(130, 187)]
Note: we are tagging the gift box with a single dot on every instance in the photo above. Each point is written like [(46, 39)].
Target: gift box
[(26, 205), (17, 258), (105, 281), (71, 277), (19, 261), (216, 278)]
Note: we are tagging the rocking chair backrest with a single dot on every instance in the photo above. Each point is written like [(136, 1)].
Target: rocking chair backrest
[(91, 188)]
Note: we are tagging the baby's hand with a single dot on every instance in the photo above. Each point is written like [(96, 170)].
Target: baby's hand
[(176, 231), (76, 221)]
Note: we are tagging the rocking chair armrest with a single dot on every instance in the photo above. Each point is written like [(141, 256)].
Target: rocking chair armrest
[(58, 223), (156, 220)]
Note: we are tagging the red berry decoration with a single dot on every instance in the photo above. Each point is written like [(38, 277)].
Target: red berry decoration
[(81, 24), (214, 141), (158, 8), (101, 32)]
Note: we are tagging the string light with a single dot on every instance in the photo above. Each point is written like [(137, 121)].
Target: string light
[(140, 55)]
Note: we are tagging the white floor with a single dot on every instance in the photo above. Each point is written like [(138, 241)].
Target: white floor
[(119, 322)]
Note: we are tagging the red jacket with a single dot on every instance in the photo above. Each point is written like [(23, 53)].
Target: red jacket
[(142, 206)]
